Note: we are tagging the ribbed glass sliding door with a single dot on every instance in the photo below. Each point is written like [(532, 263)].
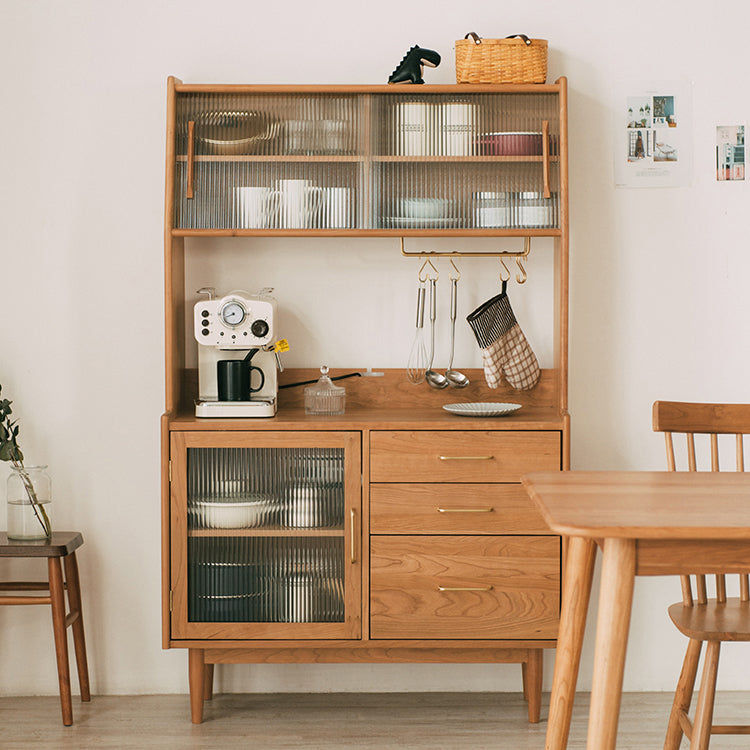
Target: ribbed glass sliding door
[(268, 161), (477, 161)]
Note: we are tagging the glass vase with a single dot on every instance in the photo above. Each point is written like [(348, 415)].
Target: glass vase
[(29, 495)]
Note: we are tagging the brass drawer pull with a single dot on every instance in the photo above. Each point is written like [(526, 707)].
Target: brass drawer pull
[(466, 458), (464, 588), (465, 510)]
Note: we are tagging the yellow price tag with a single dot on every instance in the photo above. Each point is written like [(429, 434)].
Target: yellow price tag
[(281, 346)]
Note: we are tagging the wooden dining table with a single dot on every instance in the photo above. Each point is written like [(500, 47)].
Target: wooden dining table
[(646, 524)]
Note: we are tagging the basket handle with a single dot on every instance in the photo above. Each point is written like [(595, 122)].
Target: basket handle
[(478, 40), (526, 39)]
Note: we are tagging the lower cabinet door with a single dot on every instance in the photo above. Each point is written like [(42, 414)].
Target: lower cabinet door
[(265, 532), (433, 587)]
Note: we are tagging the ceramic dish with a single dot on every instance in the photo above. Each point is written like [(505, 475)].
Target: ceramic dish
[(231, 515), (407, 222), (491, 409), (510, 144), (232, 132)]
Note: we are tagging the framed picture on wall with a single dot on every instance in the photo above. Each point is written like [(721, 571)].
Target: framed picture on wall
[(653, 135)]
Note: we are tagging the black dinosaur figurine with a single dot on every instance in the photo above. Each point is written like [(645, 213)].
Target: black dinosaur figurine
[(410, 69)]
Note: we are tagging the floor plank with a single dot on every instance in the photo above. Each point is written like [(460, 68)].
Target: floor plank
[(385, 721)]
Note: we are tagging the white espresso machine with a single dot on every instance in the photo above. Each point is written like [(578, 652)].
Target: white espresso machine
[(237, 364)]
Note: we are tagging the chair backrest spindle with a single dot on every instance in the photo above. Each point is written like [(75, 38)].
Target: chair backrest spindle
[(701, 593), (740, 450), (714, 452)]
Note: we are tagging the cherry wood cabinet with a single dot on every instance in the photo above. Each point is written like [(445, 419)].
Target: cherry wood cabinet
[(421, 545)]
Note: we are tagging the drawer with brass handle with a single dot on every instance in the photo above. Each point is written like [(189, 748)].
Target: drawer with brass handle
[(464, 587), (449, 508), (461, 455)]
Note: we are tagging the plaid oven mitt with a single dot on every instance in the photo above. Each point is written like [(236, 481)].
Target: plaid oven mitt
[(505, 350)]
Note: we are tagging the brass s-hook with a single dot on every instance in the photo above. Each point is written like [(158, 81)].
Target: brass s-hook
[(522, 276), (505, 279), (426, 268), (458, 273), (521, 259)]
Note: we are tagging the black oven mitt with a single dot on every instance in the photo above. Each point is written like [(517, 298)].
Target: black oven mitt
[(505, 350)]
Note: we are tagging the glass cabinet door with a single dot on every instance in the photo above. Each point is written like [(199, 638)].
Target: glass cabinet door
[(269, 161), (466, 161), (266, 535)]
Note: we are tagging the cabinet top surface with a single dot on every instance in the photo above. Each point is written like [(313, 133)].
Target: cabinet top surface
[(403, 89), (420, 418)]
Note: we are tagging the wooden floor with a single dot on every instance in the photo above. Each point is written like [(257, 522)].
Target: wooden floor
[(386, 721)]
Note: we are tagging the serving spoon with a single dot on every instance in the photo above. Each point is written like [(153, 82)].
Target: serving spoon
[(455, 378), (434, 378)]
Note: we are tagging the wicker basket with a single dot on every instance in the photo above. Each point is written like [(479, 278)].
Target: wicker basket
[(516, 59)]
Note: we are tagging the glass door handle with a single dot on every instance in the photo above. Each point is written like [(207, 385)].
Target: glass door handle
[(190, 160), (545, 157), (353, 540)]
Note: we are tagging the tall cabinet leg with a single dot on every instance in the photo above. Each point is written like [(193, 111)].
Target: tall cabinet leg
[(197, 682)]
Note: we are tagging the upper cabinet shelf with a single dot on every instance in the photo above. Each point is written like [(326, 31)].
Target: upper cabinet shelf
[(368, 160)]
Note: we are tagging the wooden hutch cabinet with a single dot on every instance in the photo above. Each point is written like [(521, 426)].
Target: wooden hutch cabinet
[(395, 532)]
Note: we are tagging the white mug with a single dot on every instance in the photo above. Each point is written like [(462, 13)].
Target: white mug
[(338, 208), (254, 207), (299, 203)]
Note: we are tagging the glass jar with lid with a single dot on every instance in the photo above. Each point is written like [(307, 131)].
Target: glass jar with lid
[(323, 397)]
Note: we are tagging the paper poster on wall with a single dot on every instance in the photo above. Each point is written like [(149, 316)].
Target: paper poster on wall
[(730, 152), (653, 136)]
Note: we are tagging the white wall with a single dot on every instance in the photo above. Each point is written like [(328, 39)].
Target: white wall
[(658, 304)]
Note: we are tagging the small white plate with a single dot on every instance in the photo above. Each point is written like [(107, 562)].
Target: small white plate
[(491, 409)]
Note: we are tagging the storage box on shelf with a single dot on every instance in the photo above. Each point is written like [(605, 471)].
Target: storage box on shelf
[(395, 532)]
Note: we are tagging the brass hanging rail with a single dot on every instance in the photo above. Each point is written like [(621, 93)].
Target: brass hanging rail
[(520, 257), (467, 254)]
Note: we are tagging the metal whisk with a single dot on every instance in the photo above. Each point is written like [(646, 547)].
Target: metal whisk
[(418, 356)]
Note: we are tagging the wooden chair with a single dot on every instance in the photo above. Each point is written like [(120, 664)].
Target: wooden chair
[(61, 546), (701, 619)]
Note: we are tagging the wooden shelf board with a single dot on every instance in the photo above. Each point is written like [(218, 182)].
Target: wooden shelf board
[(265, 532), (424, 89), (385, 158), (366, 232)]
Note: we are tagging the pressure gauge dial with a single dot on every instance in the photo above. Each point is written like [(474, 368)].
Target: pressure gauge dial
[(232, 314)]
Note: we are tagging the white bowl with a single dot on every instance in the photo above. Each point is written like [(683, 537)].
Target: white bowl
[(424, 208), (236, 515)]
